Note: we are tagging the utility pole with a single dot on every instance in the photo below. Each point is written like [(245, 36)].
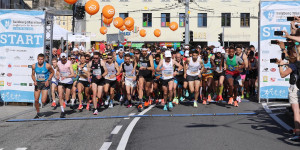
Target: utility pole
[(187, 30), (223, 37)]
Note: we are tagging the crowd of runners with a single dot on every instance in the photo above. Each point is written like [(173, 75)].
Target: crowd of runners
[(150, 75)]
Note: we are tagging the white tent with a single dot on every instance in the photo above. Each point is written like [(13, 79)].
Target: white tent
[(59, 32)]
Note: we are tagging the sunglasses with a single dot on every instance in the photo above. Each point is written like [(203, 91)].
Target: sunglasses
[(109, 58), (136, 53), (95, 58)]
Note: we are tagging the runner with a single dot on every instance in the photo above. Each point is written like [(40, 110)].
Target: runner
[(83, 85), (193, 69), (75, 79), (98, 71), (65, 72), (252, 75), (146, 67), (167, 67), (54, 82), (219, 73), (110, 79), (128, 69), (207, 78), (157, 81), (233, 65), (178, 79), (42, 74), (120, 85), (243, 56)]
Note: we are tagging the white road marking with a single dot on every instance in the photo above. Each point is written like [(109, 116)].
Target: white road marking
[(105, 146), (130, 115), (123, 142), (23, 148), (116, 130), (277, 108), (273, 116)]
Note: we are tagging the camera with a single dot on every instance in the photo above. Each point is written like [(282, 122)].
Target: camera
[(273, 60), (278, 33), (290, 18)]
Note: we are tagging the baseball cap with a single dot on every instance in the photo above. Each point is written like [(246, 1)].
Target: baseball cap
[(168, 54), (165, 47), (144, 49), (72, 56), (181, 53), (75, 49), (186, 53), (63, 55)]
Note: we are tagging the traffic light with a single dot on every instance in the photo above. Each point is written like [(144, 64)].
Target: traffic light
[(220, 37), (79, 12), (191, 36), (183, 36)]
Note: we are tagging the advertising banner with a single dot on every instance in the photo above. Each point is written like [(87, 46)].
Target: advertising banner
[(21, 40), (273, 17)]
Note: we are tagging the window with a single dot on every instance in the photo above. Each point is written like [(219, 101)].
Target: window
[(147, 19), (123, 15), (165, 19), (226, 19), (64, 23), (202, 19), (245, 19), (103, 24), (181, 20)]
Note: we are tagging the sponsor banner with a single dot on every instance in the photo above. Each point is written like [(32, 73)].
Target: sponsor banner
[(21, 40), (273, 17)]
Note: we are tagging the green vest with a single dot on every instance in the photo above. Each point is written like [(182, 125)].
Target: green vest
[(231, 64)]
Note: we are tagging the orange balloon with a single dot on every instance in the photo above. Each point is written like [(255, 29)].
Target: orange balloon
[(173, 26), (122, 28), (157, 32), (143, 33), (131, 28), (107, 21), (92, 7), (108, 11), (103, 30), (118, 22), (71, 1), (129, 22)]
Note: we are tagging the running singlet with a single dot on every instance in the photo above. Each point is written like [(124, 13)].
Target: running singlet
[(232, 64), (64, 70), (168, 71), (111, 70), (96, 69), (218, 62), (144, 62), (242, 71), (155, 66), (119, 60), (207, 66), (42, 73), (81, 73), (128, 71), (75, 67), (54, 76), (180, 72), (194, 67)]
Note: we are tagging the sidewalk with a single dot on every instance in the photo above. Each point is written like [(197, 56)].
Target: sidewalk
[(7, 112)]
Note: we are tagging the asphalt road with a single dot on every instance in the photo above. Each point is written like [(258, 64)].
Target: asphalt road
[(198, 132)]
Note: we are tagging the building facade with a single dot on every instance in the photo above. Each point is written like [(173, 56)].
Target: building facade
[(208, 18)]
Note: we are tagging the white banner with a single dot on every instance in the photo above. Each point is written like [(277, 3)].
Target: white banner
[(21, 40), (79, 38), (273, 17)]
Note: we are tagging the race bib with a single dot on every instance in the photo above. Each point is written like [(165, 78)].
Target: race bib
[(168, 73), (41, 77), (144, 65), (231, 68), (64, 74), (97, 72), (194, 70)]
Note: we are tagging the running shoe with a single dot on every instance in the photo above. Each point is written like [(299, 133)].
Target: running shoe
[(220, 98), (162, 102), (295, 138), (121, 98), (230, 102), (53, 104), (165, 107), (195, 104), (80, 107), (64, 104), (95, 112), (101, 102), (62, 115), (187, 93), (239, 99), (181, 99), (111, 104), (108, 98), (38, 115), (209, 98), (157, 101), (248, 95), (242, 97), (217, 98), (177, 101), (87, 106), (146, 104), (140, 107), (204, 102), (129, 105), (106, 102), (126, 103), (170, 105), (236, 104), (174, 100)]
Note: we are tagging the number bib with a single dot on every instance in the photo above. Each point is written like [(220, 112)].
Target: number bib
[(144, 65), (231, 68), (97, 72), (41, 77), (64, 74), (194, 70), (167, 73)]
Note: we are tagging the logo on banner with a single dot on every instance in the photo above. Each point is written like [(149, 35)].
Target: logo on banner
[(2, 74), (265, 78), (287, 79), (265, 52), (17, 58), (31, 58), (269, 14), (23, 84), (6, 23), (29, 66), (1, 83), (30, 84), (265, 70), (280, 79), (9, 74), (265, 60), (16, 84), (2, 57), (9, 65), (273, 79), (272, 69), (9, 83)]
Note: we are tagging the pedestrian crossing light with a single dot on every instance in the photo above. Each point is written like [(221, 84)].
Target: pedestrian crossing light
[(191, 36), (183, 36), (220, 37)]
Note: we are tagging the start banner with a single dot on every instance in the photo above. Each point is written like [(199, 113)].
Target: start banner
[(273, 17), (21, 40)]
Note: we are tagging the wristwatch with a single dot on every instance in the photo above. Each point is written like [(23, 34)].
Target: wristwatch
[(280, 66)]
